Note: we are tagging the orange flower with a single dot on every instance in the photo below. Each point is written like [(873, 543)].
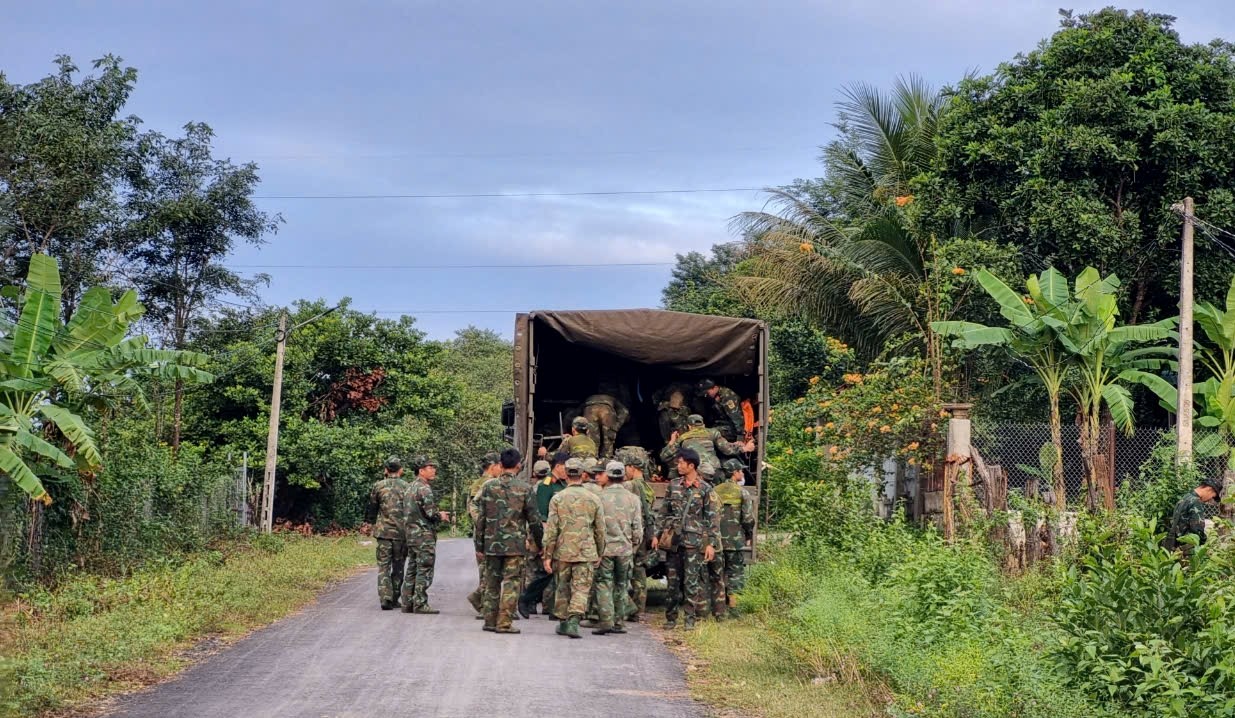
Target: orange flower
[(1028, 300), (877, 410), (833, 449), (789, 450), (904, 200), (806, 247), (958, 271), (912, 461), (871, 424), (884, 429), (943, 414), (799, 400), (829, 425), (913, 445), (896, 407), (852, 378), (814, 380)]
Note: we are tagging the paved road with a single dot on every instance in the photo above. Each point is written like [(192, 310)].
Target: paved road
[(344, 656)]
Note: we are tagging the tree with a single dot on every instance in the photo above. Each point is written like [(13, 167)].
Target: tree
[(63, 151), (1217, 393), (49, 368), (698, 283), (1076, 151), (483, 360), (189, 210)]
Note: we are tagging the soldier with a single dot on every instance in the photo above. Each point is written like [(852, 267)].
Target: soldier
[(623, 532), (574, 542), (706, 443), (591, 469), (672, 414), (691, 527), (737, 530), (541, 582), (726, 408), (507, 524), (579, 445), (489, 469), (385, 512), (635, 483), (423, 518), (1189, 515), (606, 416), (533, 566)]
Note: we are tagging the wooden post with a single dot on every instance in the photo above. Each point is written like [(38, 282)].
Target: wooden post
[(272, 435), (1183, 413)]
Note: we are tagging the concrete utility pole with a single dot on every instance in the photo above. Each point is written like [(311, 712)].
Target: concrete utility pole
[(1183, 449), (272, 437)]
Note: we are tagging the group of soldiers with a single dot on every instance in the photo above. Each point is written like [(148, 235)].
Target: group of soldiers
[(404, 520)]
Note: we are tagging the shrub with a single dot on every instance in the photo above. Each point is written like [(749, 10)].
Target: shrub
[(1160, 483)]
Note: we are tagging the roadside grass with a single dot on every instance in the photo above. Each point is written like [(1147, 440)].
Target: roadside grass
[(738, 668), (91, 637)]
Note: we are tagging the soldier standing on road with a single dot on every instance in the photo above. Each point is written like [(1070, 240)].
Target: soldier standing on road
[(489, 469), (385, 512), (623, 532), (636, 468), (579, 445), (726, 408), (690, 513), (606, 416), (533, 565), (423, 518), (507, 522), (737, 530), (706, 443), (1189, 515), (542, 583), (574, 542)]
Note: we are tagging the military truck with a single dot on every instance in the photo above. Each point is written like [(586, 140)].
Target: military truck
[(563, 357)]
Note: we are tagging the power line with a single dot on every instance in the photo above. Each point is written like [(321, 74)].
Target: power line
[(451, 266), (545, 153), (467, 195)]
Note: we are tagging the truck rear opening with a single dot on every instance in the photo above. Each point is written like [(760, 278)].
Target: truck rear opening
[(563, 357)]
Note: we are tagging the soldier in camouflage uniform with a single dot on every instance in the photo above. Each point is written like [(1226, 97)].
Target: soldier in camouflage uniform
[(606, 416), (737, 530), (506, 524), (636, 461), (623, 532), (574, 542), (421, 523), (706, 443), (533, 566), (672, 414), (489, 469), (690, 512), (385, 512), (726, 409), (1189, 515), (541, 587), (579, 445)]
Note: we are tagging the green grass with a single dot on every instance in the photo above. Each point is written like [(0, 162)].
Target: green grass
[(738, 667), (92, 637)]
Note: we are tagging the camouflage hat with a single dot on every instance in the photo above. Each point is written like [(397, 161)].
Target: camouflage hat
[(393, 463), (574, 467), (580, 423), (591, 466), (694, 420), (635, 460), (733, 465), (615, 470), (1213, 482), (423, 461), (705, 384), (541, 469), (489, 459)]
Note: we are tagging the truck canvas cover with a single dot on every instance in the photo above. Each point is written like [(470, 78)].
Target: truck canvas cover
[(687, 342)]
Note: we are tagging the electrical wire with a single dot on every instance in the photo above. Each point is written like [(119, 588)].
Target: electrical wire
[(485, 195)]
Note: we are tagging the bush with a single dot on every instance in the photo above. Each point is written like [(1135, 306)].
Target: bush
[(1159, 485)]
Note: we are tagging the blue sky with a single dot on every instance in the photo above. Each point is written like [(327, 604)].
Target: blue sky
[(334, 98)]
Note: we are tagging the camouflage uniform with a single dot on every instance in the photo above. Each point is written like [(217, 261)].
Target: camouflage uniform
[(606, 416), (540, 585), (421, 536), (574, 540), (726, 410), (1188, 518), (579, 446), (706, 442), (507, 517), (476, 597), (736, 509), (639, 571), (623, 532), (385, 512), (672, 419), (691, 512)]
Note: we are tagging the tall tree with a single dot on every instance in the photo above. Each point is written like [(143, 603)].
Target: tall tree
[(189, 210), (1077, 150), (63, 149)]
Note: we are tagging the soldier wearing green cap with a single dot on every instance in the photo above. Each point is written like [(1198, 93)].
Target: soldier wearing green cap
[(541, 587), (579, 445), (1188, 519), (636, 463), (423, 518), (623, 532), (574, 540), (489, 469), (706, 443), (725, 406), (386, 513), (736, 509)]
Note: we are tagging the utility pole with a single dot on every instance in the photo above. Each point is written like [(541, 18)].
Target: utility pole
[(1183, 410), (272, 437)]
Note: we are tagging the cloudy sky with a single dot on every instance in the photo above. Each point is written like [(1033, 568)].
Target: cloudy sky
[(437, 98)]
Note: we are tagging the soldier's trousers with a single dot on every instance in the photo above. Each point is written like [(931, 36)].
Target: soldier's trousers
[(735, 572), (612, 581), (574, 585), (537, 584), (687, 574), (421, 556), (391, 554), (477, 597), (717, 590), (638, 584), (602, 429), (502, 577)]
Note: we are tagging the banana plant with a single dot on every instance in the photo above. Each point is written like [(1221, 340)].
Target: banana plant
[(48, 367), (1216, 395), (1030, 338)]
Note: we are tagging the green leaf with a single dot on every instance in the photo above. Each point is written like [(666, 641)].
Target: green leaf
[(1048, 456), (43, 448), (1208, 422), (11, 464), (1011, 306), (1119, 401), (1155, 332), (1159, 386), (1228, 321), (39, 315), (1210, 445), (970, 334), (1054, 288), (75, 430), (92, 327)]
